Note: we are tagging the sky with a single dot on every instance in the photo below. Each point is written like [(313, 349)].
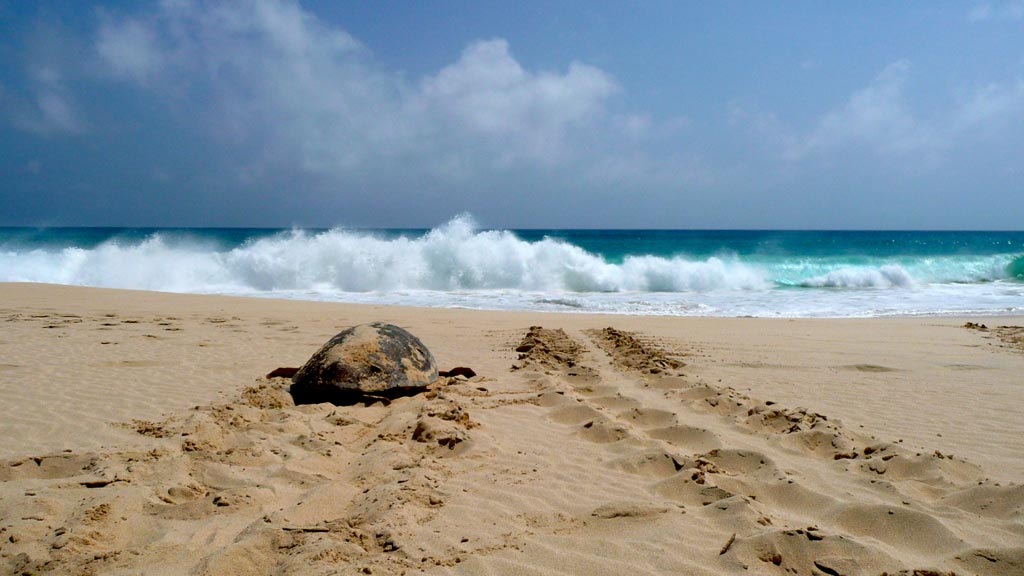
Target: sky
[(570, 114)]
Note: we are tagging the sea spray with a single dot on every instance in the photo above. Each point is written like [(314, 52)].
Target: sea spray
[(457, 264), (887, 276)]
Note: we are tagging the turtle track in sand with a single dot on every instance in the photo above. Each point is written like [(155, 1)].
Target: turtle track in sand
[(550, 349), (705, 449), (255, 484), (578, 460), (629, 352)]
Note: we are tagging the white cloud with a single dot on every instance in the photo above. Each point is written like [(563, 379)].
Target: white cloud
[(265, 75), (752, 118), (294, 89), (634, 126), (487, 93), (881, 118), (989, 107), (42, 100), (128, 47), (490, 92), (876, 116), (49, 110)]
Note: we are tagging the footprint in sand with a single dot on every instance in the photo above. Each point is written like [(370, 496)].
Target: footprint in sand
[(47, 467), (604, 432), (872, 368), (654, 463), (689, 438), (649, 417)]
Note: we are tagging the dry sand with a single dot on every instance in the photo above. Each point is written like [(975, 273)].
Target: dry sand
[(141, 437)]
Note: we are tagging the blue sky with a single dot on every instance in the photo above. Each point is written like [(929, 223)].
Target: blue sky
[(816, 115)]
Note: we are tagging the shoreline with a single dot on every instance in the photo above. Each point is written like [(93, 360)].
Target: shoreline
[(1018, 316), (576, 464)]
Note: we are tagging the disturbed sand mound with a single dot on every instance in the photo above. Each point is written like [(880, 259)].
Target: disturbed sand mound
[(255, 485), (1011, 337)]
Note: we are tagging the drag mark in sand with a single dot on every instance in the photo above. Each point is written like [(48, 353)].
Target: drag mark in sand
[(629, 352), (741, 482)]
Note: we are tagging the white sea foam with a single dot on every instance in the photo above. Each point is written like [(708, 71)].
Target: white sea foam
[(454, 257), (459, 265), (883, 277)]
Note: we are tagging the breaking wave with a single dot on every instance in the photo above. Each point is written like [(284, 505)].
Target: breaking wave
[(459, 257), (884, 277), (455, 256)]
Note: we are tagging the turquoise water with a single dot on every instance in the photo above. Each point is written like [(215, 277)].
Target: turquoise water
[(720, 273)]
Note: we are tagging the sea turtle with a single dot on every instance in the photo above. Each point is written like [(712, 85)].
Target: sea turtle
[(375, 359)]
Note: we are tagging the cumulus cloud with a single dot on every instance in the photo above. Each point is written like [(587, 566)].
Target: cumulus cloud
[(295, 90), (487, 93)]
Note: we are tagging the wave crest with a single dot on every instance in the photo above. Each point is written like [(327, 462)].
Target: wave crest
[(888, 276), (1015, 269), (459, 258), (453, 257)]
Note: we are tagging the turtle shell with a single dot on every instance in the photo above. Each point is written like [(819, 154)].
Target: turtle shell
[(368, 358)]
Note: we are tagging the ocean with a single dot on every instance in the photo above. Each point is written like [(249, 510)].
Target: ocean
[(458, 265)]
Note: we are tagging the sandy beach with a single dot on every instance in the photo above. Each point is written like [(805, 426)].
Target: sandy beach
[(141, 435)]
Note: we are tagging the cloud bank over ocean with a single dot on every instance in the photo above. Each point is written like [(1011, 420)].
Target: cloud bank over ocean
[(264, 110)]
